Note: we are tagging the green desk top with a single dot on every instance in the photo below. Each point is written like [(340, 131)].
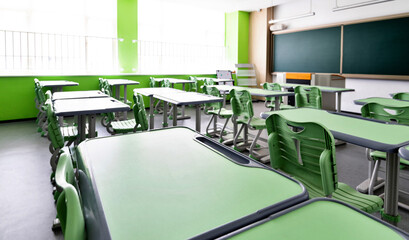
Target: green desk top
[(164, 184), (317, 220), (384, 101), (322, 88), (363, 132)]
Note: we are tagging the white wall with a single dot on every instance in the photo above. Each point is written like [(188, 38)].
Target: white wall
[(325, 15)]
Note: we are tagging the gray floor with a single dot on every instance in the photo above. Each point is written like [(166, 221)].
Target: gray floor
[(26, 205)]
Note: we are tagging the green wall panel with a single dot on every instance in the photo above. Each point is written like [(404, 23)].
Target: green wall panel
[(127, 28), (17, 93), (243, 37), (237, 36)]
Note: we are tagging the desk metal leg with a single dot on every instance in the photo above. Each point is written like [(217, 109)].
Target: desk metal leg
[(183, 116), (91, 125), (117, 88), (81, 127), (175, 115), (198, 120), (151, 116), (224, 99), (125, 100), (165, 115), (338, 102), (277, 103), (391, 189)]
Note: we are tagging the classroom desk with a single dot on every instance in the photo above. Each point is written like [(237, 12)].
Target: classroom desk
[(150, 92), (117, 83), (217, 80), (384, 101), (177, 98), (174, 183), (87, 107), (225, 89), (362, 132), (320, 219), (174, 81), (57, 85), (78, 94), (337, 91)]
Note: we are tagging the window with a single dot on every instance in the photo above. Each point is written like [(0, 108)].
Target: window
[(179, 38), (58, 37)]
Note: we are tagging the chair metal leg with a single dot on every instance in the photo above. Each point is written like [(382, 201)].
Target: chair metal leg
[(208, 126), (236, 137), (223, 129), (374, 177), (253, 144)]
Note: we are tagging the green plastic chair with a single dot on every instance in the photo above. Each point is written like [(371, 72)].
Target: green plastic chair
[(193, 86), (58, 135), (402, 96), (165, 83), (64, 173), (216, 110), (243, 114), (209, 82), (306, 151), (69, 212), (399, 115), (139, 123), (310, 97), (42, 114), (270, 101)]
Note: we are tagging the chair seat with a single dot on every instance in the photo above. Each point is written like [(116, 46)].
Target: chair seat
[(255, 123), (285, 107), (375, 155), (367, 203), (71, 132), (123, 126), (224, 113), (345, 193)]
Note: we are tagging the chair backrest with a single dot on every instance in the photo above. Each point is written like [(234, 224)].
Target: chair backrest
[(152, 82), (304, 150), (54, 131), (241, 104), (208, 82), (193, 86), (385, 113), (101, 83), (39, 92), (139, 112), (209, 90), (402, 96), (36, 87), (48, 95), (110, 115), (273, 87), (64, 173), (308, 97), (70, 214), (165, 83)]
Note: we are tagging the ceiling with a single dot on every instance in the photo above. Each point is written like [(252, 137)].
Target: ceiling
[(233, 5)]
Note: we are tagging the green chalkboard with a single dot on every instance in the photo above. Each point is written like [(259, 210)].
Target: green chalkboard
[(308, 51), (380, 47)]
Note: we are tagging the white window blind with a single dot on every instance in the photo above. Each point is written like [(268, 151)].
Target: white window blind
[(179, 38), (58, 37)]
